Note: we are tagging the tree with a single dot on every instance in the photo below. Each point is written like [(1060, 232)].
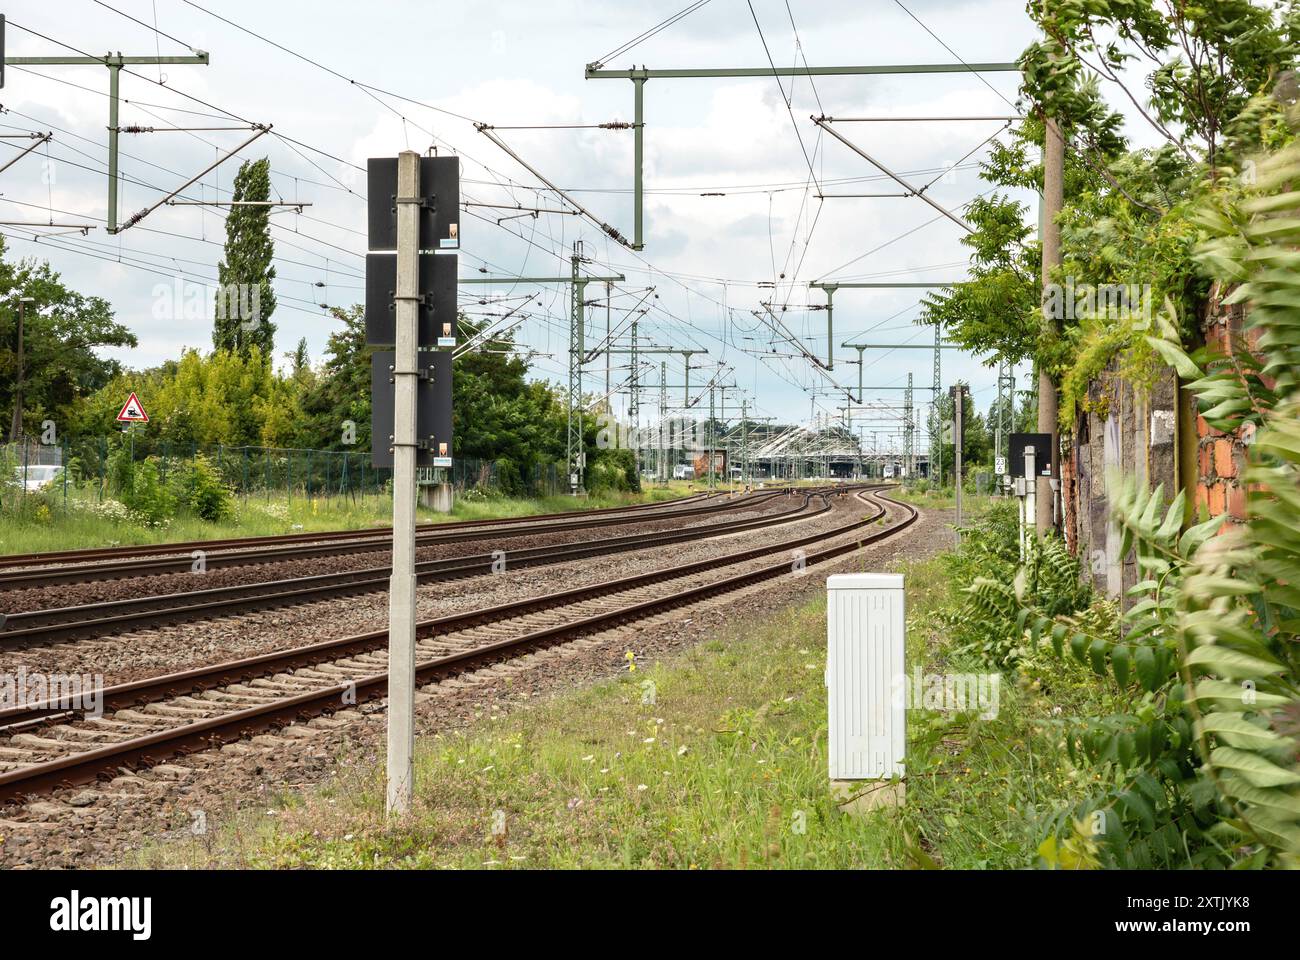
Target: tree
[(976, 439), (61, 331), (341, 393), (299, 360), (245, 298), (1126, 217), (498, 415), (1203, 63)]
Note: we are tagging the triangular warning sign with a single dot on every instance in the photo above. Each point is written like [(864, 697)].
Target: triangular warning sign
[(133, 411)]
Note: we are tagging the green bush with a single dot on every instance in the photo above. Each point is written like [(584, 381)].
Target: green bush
[(147, 497), (119, 470), (509, 480), (196, 486), (612, 470), (988, 569)]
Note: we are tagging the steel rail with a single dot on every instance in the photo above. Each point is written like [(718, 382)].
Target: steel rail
[(185, 546), (136, 692), (153, 748), (96, 619), (128, 569)]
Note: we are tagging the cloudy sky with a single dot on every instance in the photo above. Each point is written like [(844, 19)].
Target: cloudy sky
[(713, 260)]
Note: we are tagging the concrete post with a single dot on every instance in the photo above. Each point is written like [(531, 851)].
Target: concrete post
[(401, 590)]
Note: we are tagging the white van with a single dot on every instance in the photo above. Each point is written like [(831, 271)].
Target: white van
[(36, 476)]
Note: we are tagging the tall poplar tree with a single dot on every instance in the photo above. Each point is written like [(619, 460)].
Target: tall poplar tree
[(246, 300)]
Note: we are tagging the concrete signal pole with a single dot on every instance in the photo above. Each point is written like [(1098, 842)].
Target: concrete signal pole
[(401, 589)]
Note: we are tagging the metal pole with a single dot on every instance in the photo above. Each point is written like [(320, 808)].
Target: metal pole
[(634, 399), (114, 69), (638, 150), (712, 408), (957, 407), (936, 443), (577, 336), (663, 411), (726, 459), (401, 591), (1050, 230), (1031, 498), (744, 441), (115, 63), (16, 427), (908, 439), (830, 354)]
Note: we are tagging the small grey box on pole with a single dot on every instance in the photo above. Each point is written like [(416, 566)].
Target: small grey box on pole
[(401, 590)]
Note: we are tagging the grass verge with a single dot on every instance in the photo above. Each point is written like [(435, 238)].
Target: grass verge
[(973, 504), (86, 523), (714, 759)]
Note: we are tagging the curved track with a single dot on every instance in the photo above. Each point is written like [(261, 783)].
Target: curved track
[(161, 717), (234, 543), (30, 579), (95, 619)]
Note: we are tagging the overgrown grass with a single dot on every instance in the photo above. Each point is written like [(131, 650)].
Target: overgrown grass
[(714, 759), (943, 498), (45, 524)]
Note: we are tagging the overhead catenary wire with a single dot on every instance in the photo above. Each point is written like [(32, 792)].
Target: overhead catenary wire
[(647, 34), (684, 281)]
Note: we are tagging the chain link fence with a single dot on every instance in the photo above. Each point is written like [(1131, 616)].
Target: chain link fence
[(96, 468)]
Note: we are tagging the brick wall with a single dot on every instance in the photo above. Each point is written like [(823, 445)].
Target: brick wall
[(1130, 429), (1137, 431), (1221, 457)]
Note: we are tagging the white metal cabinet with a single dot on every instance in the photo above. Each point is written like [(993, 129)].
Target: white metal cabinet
[(865, 675)]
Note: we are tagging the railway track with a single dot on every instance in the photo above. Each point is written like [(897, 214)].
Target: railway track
[(155, 719), (57, 624), (234, 543), (38, 578)]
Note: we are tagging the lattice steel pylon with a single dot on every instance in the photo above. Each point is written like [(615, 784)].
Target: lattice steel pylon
[(936, 426), (661, 458), (574, 447), (909, 463), (634, 383)]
